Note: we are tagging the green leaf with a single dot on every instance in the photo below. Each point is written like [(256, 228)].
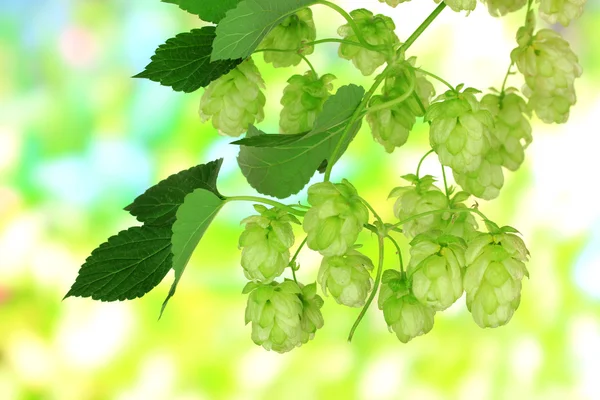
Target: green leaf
[(183, 62), (193, 218), (159, 204), (277, 165), (244, 27), (127, 266), (208, 10)]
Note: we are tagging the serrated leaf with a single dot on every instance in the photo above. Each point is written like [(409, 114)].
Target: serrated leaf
[(184, 64), (244, 27), (207, 10), (193, 218), (127, 266), (158, 205), (278, 166)]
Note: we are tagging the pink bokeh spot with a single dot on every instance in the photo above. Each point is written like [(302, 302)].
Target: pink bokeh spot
[(78, 47)]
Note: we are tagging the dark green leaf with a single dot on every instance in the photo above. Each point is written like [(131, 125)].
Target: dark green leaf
[(158, 205), (183, 62), (287, 164), (208, 10), (244, 27), (127, 266), (193, 218)]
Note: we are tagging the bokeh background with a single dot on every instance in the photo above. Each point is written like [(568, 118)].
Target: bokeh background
[(79, 140)]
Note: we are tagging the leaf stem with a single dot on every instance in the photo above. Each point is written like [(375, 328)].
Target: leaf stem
[(421, 161), (366, 203), (441, 211), (312, 68), (505, 79), (424, 25), (293, 260), (373, 292), (445, 182), (397, 251), (270, 202), (434, 76)]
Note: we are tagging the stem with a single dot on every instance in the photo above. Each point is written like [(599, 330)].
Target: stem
[(373, 292), (398, 100), (421, 161), (307, 61), (415, 35), (445, 182), (397, 251), (334, 40), (293, 260), (366, 203), (506, 79), (434, 76), (266, 201), (441, 211)]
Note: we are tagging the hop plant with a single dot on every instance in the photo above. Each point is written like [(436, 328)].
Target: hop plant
[(377, 30), (460, 5), (390, 126), (403, 313), (460, 129), (498, 8), (234, 101), (511, 126), (436, 266), (311, 319), (291, 34), (422, 196), (335, 219), (563, 11), (550, 68), (303, 100), (492, 281), (347, 277), (266, 241), (275, 311)]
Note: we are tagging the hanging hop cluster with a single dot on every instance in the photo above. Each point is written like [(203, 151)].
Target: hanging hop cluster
[(347, 277), (563, 11)]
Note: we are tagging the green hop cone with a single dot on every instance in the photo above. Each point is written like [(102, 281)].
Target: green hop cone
[(377, 30), (492, 281), (460, 224), (421, 197), (393, 3), (460, 130), (487, 180), (303, 100), (275, 311), (563, 11), (235, 100), (550, 68), (512, 128), (403, 313), (266, 241), (311, 318), (498, 8), (291, 34), (435, 267), (390, 126), (347, 278), (335, 219), (460, 5)]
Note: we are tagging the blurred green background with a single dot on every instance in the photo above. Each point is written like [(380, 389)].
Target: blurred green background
[(79, 140)]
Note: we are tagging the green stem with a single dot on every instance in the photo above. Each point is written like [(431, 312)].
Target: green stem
[(424, 25), (398, 100), (445, 182), (505, 79), (270, 202), (434, 76), (373, 292), (397, 251), (312, 68), (293, 260), (366, 203), (452, 210), (421, 161)]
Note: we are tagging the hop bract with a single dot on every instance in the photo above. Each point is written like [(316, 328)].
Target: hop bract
[(291, 34), (563, 11), (311, 318), (266, 242), (275, 311), (460, 130), (421, 197), (460, 5), (403, 313), (495, 268), (550, 68), (347, 277), (511, 126), (235, 100), (377, 30), (436, 267), (390, 126), (335, 219), (460, 224), (303, 100), (498, 8), (487, 180)]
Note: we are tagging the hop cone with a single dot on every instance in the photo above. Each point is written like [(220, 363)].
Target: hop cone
[(460, 224), (393, 3), (377, 30), (550, 68), (275, 311), (460, 5), (498, 8), (460, 130), (311, 318), (235, 100), (266, 242), (495, 268), (436, 266), (563, 11), (291, 34), (335, 219), (487, 180), (346, 277), (391, 126), (302, 101), (512, 128), (421, 197), (403, 313)]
